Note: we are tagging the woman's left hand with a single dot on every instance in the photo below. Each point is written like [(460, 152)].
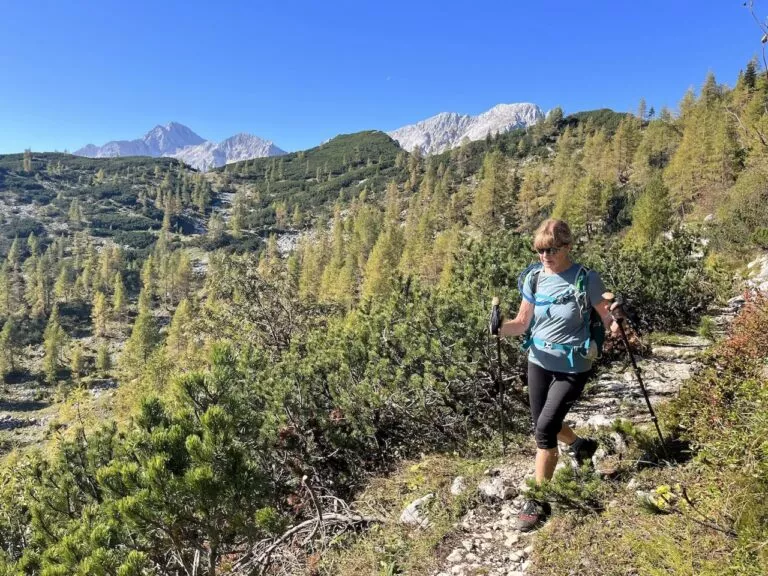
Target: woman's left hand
[(618, 315)]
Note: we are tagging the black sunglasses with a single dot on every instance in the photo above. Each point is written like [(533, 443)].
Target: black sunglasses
[(549, 251)]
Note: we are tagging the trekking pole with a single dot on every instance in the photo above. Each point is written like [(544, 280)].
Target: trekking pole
[(616, 303), (495, 324)]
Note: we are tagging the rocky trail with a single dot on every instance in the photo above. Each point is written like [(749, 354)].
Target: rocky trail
[(485, 540)]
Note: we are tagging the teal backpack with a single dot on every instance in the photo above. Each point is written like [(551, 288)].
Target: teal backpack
[(594, 329)]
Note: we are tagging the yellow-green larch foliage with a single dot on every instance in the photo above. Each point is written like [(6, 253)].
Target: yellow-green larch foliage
[(706, 160), (103, 358), (7, 349), (77, 360), (625, 143), (534, 200), (118, 295), (493, 205), (651, 214), (100, 313), (54, 342)]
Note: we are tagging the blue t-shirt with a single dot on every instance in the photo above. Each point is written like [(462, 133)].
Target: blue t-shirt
[(561, 323)]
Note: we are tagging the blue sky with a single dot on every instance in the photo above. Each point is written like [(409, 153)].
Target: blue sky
[(299, 72)]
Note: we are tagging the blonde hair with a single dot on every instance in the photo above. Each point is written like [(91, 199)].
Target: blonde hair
[(552, 234)]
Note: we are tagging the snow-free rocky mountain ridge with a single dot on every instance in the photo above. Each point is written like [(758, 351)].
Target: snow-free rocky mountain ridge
[(178, 141), (448, 129)]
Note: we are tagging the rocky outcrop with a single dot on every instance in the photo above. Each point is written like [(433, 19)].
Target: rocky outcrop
[(449, 129)]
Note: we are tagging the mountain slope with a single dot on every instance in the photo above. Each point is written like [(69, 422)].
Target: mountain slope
[(448, 129)]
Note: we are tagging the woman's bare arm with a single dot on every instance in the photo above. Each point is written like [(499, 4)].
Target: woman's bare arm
[(520, 323)]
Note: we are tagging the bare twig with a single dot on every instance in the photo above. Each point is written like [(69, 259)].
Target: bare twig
[(750, 4), (318, 511)]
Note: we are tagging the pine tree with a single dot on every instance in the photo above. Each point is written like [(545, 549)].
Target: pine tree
[(750, 75)]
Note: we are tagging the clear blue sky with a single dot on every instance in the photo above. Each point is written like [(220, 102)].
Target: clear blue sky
[(299, 72)]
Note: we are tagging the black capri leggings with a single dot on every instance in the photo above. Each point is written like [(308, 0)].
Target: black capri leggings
[(552, 394)]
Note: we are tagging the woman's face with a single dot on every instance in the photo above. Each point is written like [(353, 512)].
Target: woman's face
[(554, 258)]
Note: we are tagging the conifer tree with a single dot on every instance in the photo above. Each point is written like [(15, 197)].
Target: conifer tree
[(27, 161), (148, 277), (5, 290), (143, 340), (651, 214), (77, 361), (62, 289), (100, 314), (103, 360), (179, 345), (54, 340), (118, 296), (7, 349)]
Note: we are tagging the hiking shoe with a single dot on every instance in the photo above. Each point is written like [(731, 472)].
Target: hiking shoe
[(532, 514), (582, 450)]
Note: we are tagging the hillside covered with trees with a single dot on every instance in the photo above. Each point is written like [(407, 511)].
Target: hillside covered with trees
[(203, 389)]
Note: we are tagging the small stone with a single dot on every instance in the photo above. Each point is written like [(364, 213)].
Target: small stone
[(526, 565), (455, 556), (513, 538), (467, 544), (471, 558), (528, 550), (458, 569), (458, 486), (632, 484), (515, 557), (497, 488)]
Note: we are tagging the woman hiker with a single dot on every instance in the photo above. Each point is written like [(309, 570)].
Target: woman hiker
[(557, 297)]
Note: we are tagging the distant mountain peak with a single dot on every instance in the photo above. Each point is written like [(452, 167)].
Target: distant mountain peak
[(446, 130), (179, 141)]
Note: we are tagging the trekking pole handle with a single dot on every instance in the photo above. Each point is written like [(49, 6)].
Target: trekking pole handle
[(616, 303), (495, 320)]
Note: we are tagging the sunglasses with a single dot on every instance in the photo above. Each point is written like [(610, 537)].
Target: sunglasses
[(549, 251)]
